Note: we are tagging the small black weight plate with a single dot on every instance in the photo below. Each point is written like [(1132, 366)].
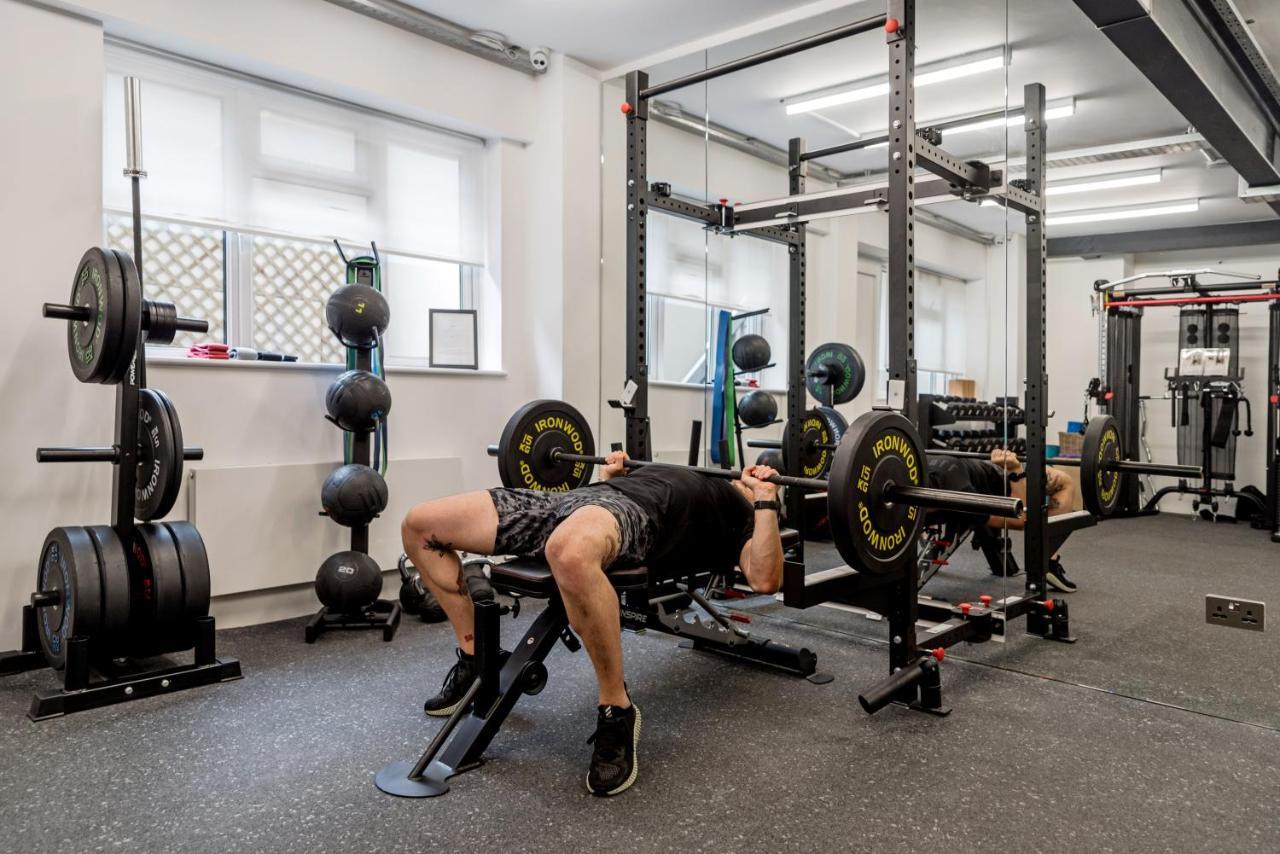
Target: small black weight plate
[(195, 568), (838, 367), (94, 345), (159, 456), (529, 437), (874, 535), (815, 433), (836, 423), (1099, 484), (132, 315), (158, 600), (176, 470), (116, 592), (69, 573)]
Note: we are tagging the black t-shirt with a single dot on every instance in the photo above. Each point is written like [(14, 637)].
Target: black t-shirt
[(702, 522), (966, 475)]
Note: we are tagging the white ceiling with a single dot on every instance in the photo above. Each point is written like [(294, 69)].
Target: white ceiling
[(1050, 41), (605, 33)]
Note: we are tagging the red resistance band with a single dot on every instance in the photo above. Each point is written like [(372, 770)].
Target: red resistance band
[(1189, 300)]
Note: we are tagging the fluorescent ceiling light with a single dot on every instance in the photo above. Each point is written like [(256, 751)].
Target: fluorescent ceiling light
[(1096, 182), (1107, 214), (1057, 109), (1104, 182), (951, 69)]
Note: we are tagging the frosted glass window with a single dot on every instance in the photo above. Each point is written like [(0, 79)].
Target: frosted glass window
[(182, 147), (414, 287), (941, 333), (688, 267), (424, 193), (302, 209), (309, 143), (269, 177)]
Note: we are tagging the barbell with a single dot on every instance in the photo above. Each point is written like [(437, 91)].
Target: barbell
[(1102, 464), (875, 490)]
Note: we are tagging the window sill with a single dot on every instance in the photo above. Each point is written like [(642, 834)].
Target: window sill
[(164, 360)]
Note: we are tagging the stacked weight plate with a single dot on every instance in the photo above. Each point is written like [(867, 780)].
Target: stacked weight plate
[(136, 589)]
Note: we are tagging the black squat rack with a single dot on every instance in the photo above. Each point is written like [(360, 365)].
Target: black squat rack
[(111, 599), (914, 652)]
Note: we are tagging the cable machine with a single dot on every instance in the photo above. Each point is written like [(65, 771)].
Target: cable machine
[(1205, 389)]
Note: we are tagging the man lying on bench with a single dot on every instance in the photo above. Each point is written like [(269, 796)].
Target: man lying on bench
[(990, 478), (647, 516)]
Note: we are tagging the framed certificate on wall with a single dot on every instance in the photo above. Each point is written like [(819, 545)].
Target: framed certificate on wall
[(454, 338)]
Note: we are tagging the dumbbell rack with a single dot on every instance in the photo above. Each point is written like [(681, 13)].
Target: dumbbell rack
[(117, 679), (941, 410), (381, 613)]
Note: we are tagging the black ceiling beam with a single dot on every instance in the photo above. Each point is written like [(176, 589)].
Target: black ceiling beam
[(1221, 236), (1173, 50)]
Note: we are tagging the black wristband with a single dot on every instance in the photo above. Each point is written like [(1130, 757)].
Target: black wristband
[(775, 505), (1014, 477)]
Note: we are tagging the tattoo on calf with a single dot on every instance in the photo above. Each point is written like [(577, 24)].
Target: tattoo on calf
[(435, 544)]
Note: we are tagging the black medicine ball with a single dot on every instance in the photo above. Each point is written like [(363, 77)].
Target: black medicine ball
[(357, 314), (757, 408), (352, 495), (357, 401), (751, 353), (771, 458), (348, 582)]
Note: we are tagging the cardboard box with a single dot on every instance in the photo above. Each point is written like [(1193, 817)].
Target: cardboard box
[(962, 387), (1070, 444)]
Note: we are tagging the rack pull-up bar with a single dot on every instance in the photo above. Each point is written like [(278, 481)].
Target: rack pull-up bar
[(1189, 300), (843, 147), (863, 26)]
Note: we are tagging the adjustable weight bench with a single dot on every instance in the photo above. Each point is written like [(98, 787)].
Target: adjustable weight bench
[(662, 602)]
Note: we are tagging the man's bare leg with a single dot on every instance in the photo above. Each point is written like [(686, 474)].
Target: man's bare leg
[(433, 532), (578, 551)]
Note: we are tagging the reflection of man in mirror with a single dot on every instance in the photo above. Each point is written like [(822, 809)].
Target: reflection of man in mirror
[(667, 518), (1004, 475)]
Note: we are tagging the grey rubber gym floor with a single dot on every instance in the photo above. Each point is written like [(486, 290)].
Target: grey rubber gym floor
[(732, 758)]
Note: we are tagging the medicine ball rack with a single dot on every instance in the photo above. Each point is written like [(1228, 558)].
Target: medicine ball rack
[(108, 597), (359, 449), (914, 653)]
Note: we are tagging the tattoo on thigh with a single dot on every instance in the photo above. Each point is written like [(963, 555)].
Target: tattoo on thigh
[(435, 544), (468, 637)]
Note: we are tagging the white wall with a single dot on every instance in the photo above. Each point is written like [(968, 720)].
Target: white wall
[(1073, 333), (543, 260)]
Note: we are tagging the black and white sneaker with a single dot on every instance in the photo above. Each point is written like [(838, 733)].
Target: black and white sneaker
[(613, 764), (456, 683), (1056, 576)]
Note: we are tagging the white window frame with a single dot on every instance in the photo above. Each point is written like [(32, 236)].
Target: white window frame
[(238, 285)]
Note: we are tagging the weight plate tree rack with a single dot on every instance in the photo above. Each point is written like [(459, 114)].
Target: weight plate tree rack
[(108, 597), (913, 657), (366, 448)]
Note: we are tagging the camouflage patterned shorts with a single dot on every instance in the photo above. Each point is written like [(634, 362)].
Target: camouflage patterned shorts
[(526, 518)]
